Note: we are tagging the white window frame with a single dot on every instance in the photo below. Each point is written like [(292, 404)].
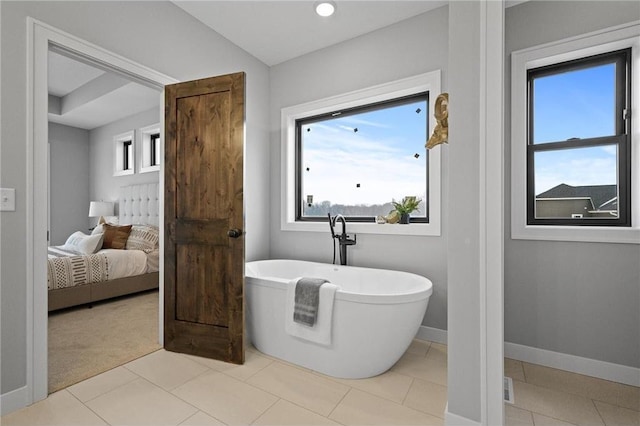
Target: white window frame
[(424, 82), (118, 151), (608, 40), (145, 142)]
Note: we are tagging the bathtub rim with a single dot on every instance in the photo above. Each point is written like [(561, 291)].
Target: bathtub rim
[(378, 299)]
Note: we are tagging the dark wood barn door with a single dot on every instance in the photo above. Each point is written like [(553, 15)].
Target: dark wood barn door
[(204, 220)]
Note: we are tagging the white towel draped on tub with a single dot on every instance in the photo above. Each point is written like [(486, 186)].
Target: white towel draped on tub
[(321, 331)]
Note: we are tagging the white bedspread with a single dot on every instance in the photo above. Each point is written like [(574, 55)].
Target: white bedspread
[(125, 263), (68, 269)]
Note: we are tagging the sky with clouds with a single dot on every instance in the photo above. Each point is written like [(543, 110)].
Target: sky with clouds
[(378, 156), (368, 158), (575, 104)]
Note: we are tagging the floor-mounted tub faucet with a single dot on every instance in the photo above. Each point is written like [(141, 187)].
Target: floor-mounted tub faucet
[(343, 239)]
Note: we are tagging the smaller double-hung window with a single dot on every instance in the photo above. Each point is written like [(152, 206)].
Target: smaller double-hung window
[(356, 161), (578, 142)]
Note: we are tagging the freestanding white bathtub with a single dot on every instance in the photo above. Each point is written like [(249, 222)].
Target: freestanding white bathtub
[(376, 314)]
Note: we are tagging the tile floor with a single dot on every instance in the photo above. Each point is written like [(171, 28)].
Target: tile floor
[(164, 388), (546, 396)]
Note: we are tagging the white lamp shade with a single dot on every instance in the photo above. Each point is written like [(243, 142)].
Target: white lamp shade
[(100, 208)]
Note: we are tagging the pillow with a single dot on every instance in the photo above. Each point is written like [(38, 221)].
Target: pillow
[(115, 237), (143, 237), (99, 229), (83, 243)]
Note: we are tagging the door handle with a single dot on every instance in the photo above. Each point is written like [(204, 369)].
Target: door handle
[(234, 233)]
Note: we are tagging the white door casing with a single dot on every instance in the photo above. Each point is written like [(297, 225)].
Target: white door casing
[(40, 37)]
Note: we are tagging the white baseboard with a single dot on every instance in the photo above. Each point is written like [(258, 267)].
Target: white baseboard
[(13, 400), (432, 334), (451, 419), (575, 364)]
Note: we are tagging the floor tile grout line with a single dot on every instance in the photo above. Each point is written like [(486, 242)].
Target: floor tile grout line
[(250, 376), (103, 393), (177, 397), (574, 393), (339, 383), (595, 406), (404, 398), (265, 410), (524, 373), (549, 416), (304, 408), (333, 379), (278, 397), (588, 377), (191, 405), (615, 405), (565, 393), (417, 409), (295, 403), (88, 408), (195, 414), (170, 390), (339, 402)]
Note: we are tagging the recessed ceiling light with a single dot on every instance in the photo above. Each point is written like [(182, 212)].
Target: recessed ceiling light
[(325, 8)]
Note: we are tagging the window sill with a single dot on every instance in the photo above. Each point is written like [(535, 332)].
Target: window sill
[(589, 234), (414, 229), (149, 169), (123, 172)]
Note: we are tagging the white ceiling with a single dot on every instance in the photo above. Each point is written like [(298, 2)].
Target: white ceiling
[(85, 97), (276, 31), (273, 31)]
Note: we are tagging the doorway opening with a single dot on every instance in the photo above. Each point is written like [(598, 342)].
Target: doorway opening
[(43, 38), (87, 107)]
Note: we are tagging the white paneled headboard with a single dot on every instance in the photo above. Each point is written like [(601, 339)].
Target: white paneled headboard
[(139, 204)]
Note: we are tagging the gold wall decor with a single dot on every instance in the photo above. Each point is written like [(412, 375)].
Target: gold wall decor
[(441, 132)]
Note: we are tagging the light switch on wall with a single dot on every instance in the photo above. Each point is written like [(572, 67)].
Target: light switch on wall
[(7, 199)]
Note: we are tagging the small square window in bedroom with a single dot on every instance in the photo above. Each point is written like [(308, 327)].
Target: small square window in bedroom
[(154, 149), (151, 152), (355, 162), (124, 154), (579, 145), (127, 148)]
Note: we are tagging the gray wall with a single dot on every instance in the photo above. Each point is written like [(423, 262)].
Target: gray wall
[(575, 298), (402, 50), (173, 43), (81, 170), (103, 184), (68, 182)]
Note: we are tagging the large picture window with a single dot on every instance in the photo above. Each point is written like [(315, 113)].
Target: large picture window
[(363, 149), (578, 142), (356, 161)]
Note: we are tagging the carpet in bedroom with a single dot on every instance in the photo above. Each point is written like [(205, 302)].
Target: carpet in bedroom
[(85, 342)]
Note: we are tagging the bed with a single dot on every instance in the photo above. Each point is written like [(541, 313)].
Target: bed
[(86, 269)]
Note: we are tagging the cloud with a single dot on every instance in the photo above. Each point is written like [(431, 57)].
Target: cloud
[(384, 173), (381, 160), (594, 167)]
